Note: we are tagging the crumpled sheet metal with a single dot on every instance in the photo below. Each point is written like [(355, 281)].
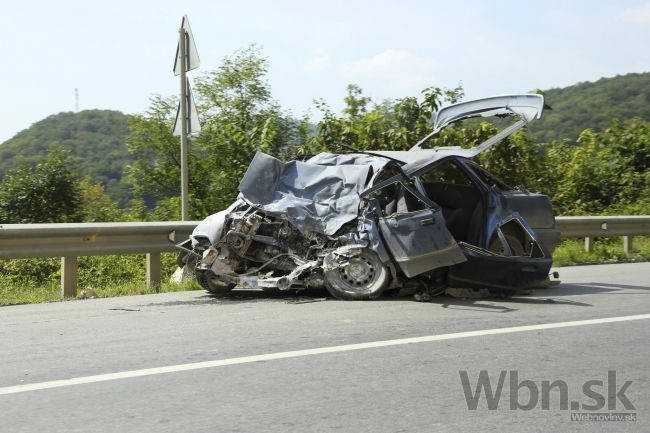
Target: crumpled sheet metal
[(326, 158), (319, 195), (212, 226)]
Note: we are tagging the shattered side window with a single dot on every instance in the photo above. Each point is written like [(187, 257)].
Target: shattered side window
[(490, 180), (446, 173), (399, 200), (395, 197)]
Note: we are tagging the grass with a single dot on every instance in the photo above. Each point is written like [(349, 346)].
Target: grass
[(29, 294), (606, 250), (38, 280)]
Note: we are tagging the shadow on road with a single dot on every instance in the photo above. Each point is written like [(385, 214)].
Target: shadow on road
[(239, 296), (551, 296), (506, 305), (603, 287)]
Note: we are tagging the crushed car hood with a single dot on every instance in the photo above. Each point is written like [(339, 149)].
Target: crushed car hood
[(321, 194)]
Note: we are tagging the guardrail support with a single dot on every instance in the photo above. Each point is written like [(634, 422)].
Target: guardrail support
[(589, 244), (627, 245), (68, 277), (153, 270)]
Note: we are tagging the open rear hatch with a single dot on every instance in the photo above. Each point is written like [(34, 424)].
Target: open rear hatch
[(525, 107)]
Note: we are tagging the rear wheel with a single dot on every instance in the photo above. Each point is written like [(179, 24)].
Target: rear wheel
[(356, 276), (513, 242)]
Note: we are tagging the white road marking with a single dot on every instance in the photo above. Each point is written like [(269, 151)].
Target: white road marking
[(307, 352)]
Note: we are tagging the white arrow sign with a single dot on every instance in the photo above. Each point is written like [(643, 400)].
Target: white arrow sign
[(191, 55), (193, 125)]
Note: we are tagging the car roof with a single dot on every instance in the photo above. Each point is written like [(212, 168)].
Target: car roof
[(415, 159)]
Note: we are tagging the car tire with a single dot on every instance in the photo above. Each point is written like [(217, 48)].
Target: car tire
[(363, 277), (515, 245), (209, 281)]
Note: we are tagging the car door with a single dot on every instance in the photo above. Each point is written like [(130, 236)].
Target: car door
[(515, 259), (416, 235)]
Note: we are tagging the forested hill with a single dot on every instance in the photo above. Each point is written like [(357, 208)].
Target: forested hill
[(593, 105), (94, 138)]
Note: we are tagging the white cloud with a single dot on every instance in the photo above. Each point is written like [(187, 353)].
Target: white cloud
[(317, 64), (399, 70), (637, 15)]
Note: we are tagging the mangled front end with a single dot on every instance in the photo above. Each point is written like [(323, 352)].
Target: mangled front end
[(293, 225), (317, 224)]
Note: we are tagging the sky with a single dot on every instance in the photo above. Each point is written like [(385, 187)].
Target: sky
[(119, 53)]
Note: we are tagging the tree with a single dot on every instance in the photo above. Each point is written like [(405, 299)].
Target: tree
[(389, 125), (517, 161), (96, 205), (94, 138), (605, 171), (155, 171), (355, 103), (46, 193), (238, 117)]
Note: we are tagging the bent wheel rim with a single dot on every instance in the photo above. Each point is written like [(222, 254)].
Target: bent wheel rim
[(359, 273), (362, 274)]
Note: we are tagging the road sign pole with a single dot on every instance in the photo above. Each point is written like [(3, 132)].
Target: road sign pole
[(184, 182), (187, 118)]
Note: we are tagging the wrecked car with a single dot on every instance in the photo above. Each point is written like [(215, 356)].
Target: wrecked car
[(363, 222)]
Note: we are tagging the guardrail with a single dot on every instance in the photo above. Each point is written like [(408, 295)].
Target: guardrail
[(590, 227), (70, 241), (593, 226)]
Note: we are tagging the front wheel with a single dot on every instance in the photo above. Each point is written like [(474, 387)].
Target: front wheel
[(356, 274), (210, 282)]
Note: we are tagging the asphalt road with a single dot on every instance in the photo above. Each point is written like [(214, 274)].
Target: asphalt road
[(134, 366)]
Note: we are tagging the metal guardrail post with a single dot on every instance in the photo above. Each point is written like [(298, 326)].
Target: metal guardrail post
[(153, 270), (627, 245), (589, 244), (69, 277)]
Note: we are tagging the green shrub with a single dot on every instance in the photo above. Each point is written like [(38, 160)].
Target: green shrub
[(606, 250)]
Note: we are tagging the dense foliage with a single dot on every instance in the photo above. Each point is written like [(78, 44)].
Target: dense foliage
[(238, 117), (579, 154), (590, 154), (47, 193), (93, 138), (593, 105), (605, 172), (51, 192)]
